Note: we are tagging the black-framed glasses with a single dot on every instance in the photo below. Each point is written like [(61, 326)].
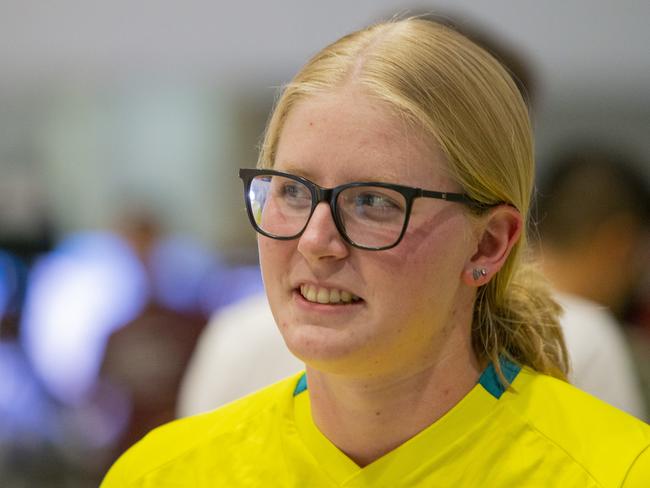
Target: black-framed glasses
[(368, 215)]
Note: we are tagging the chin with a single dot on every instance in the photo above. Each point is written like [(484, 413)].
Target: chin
[(331, 351), (319, 347)]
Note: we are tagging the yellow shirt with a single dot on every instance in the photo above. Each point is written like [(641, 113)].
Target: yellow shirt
[(540, 433)]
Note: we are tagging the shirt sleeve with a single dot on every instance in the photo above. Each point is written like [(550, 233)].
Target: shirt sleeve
[(115, 477)]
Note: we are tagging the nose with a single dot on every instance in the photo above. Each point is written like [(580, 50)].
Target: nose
[(321, 239)]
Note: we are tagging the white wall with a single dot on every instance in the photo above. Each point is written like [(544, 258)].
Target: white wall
[(594, 44)]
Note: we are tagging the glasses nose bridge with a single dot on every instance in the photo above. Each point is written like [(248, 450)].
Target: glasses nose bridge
[(325, 195)]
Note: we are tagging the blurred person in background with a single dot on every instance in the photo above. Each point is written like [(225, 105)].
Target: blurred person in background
[(239, 352), (594, 211), (398, 299), (109, 322), (147, 357)]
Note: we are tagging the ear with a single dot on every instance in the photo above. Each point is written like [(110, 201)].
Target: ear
[(499, 231)]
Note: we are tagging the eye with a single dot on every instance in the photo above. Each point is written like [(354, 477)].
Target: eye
[(293, 193), (295, 190), (378, 205), (375, 200)]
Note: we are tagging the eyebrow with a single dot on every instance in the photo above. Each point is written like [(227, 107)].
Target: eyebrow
[(288, 168)]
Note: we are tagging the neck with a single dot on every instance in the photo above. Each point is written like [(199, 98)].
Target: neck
[(367, 418)]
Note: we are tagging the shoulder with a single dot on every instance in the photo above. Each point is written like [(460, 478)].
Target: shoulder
[(184, 439), (602, 440)]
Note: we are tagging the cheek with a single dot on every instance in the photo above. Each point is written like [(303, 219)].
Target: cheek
[(423, 256), (265, 251), (425, 270), (275, 256)]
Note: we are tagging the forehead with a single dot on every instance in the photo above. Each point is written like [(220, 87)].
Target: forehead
[(334, 138)]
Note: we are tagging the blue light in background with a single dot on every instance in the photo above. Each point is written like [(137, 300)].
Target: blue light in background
[(4, 285), (26, 413), (78, 295), (12, 274), (179, 268), (229, 285)]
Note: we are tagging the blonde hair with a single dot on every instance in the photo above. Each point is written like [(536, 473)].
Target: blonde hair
[(461, 96)]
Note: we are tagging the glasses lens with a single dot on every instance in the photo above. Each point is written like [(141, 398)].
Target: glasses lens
[(372, 216), (280, 206)]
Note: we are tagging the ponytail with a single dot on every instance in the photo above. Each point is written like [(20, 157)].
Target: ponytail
[(519, 321)]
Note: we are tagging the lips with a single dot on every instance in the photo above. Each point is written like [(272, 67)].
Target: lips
[(323, 295)]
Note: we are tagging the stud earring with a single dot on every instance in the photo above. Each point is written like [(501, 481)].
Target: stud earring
[(478, 273)]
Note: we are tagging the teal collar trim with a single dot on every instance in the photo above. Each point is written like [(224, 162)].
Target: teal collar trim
[(301, 385), (490, 379)]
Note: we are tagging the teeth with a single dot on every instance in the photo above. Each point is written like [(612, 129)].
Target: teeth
[(335, 296), (325, 295), (311, 294)]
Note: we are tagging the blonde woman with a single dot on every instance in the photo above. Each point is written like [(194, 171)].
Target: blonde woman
[(391, 199)]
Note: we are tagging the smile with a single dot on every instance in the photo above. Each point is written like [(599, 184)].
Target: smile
[(318, 294)]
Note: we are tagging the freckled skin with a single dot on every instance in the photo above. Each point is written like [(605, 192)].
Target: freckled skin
[(411, 292)]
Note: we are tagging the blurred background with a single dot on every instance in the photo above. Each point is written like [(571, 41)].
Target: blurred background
[(122, 225)]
